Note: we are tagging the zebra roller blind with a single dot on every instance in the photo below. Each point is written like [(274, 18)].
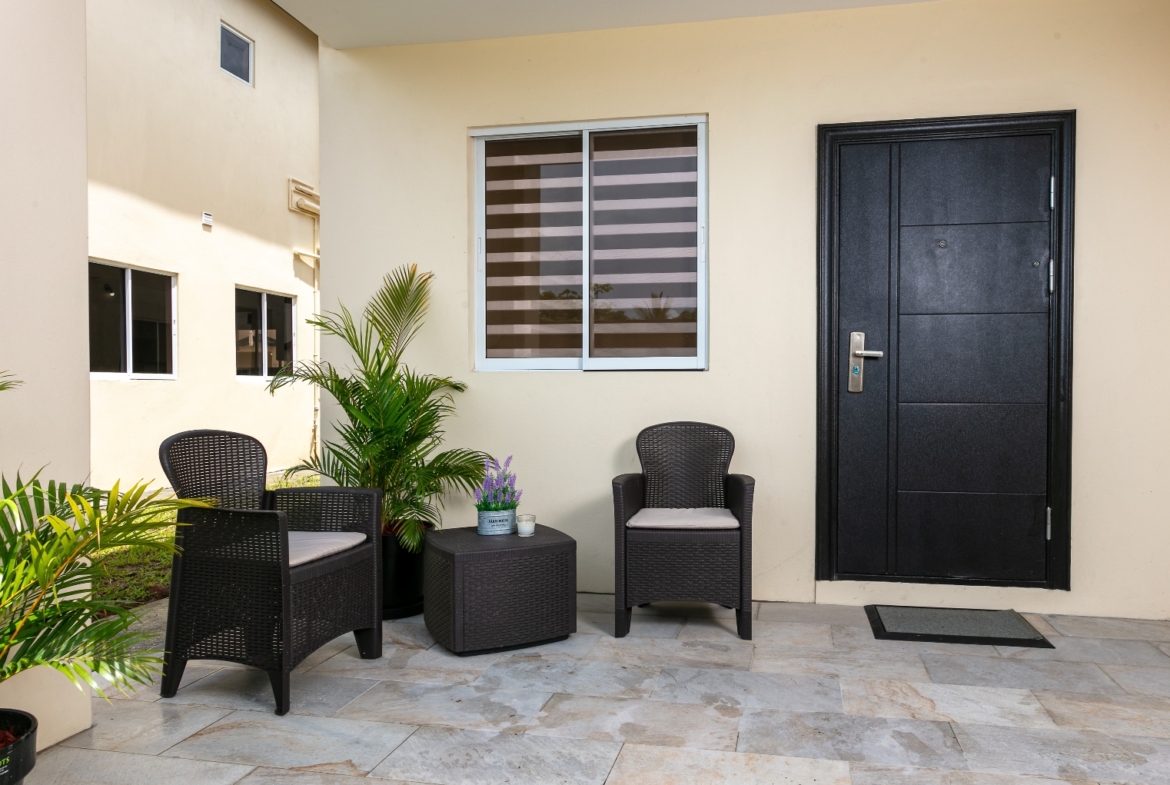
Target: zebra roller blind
[(591, 248)]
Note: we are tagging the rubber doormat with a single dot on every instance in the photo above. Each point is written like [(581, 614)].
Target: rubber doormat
[(953, 625)]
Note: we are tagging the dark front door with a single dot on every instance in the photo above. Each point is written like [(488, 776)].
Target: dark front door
[(943, 383)]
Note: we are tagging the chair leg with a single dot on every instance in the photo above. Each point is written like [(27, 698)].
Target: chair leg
[(172, 674), (369, 642), (621, 622), (743, 623), (280, 690)]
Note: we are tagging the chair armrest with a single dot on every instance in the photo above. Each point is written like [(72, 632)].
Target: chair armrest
[(738, 490), (332, 510), (628, 498), (221, 534)]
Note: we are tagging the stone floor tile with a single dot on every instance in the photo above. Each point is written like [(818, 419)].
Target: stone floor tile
[(839, 663), (878, 774), (446, 756), (264, 776), (406, 635), (1041, 624), (311, 693), (663, 652), (435, 665), (1140, 681), (1100, 650), (764, 633), (1096, 627), (698, 610), (146, 728), (845, 737), (645, 626), (1072, 754), (744, 689), (72, 766), (474, 708), (330, 649), (322, 744), (1119, 715), (576, 646), (594, 603), (416, 619), (638, 722), (576, 677), (944, 703), (846, 637), (1020, 674), (812, 613), (148, 693), (639, 765)]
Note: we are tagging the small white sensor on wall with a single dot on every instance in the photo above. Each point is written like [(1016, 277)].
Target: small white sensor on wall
[(207, 219)]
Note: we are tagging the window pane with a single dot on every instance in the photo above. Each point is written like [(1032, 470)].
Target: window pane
[(235, 54), (644, 243), (107, 318), (280, 332), (150, 331), (533, 247), (247, 333)]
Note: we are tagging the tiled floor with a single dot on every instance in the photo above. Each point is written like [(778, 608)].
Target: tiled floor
[(813, 699)]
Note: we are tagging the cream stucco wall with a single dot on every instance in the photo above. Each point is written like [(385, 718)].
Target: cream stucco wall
[(43, 321), (171, 136), (396, 164)]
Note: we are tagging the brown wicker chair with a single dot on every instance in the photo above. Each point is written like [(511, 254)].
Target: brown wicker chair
[(684, 465), (234, 594)]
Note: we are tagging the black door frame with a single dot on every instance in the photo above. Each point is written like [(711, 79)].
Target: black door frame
[(1062, 127)]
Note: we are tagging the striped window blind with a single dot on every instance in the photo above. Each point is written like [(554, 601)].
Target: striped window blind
[(533, 248), (644, 243)]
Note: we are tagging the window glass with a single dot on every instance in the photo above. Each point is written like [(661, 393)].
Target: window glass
[(150, 307), (248, 345), (107, 318), (534, 247), (644, 243), (235, 54), (280, 332)]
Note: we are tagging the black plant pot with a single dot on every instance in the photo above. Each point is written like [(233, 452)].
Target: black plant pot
[(19, 757), (402, 580)]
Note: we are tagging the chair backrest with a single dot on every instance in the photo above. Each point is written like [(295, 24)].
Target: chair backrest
[(685, 464), (228, 467)]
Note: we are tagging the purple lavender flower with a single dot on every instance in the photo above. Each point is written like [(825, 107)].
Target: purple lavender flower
[(498, 490)]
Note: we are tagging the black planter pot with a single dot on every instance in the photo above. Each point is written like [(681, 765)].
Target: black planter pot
[(19, 757), (402, 580)]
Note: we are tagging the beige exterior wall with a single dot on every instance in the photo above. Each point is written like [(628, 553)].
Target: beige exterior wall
[(43, 322), (170, 137), (397, 169)]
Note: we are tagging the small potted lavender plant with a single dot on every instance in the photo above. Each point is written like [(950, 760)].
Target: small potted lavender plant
[(497, 498)]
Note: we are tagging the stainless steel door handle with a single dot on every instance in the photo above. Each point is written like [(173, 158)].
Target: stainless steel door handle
[(857, 357)]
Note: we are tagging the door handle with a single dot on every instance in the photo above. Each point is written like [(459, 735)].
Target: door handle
[(858, 354)]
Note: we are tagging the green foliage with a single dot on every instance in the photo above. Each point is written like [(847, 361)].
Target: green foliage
[(8, 381), (393, 416), (134, 575), (52, 538)]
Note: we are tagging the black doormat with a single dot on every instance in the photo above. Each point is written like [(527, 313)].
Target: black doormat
[(953, 625)]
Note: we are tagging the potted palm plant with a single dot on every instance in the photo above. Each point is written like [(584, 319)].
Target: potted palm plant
[(391, 427), (52, 539)]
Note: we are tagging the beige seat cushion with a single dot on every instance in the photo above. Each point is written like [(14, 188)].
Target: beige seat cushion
[(683, 518), (304, 547)]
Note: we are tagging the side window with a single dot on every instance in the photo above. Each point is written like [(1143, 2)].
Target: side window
[(265, 339), (131, 321), (236, 53)]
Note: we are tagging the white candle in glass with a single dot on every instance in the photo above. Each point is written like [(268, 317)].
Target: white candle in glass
[(526, 525)]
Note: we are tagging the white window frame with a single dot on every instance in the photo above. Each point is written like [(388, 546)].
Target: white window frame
[(586, 363), (128, 317), (251, 80), (264, 294)]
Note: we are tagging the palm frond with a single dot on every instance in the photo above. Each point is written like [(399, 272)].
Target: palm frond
[(8, 381), (399, 306)]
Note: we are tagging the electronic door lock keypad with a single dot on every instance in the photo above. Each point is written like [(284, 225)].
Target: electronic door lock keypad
[(858, 354)]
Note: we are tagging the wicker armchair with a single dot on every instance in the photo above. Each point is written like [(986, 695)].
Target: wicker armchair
[(695, 540), (269, 576)]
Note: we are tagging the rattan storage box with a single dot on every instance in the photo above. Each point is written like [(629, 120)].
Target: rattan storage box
[(486, 593)]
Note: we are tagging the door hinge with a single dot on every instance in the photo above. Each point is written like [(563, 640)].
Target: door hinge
[(1052, 193), (1049, 527), (1051, 276)]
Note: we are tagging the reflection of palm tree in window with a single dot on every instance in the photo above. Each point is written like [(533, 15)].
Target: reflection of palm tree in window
[(557, 315), (656, 309)]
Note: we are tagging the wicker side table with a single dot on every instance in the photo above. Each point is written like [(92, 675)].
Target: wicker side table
[(489, 593)]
